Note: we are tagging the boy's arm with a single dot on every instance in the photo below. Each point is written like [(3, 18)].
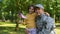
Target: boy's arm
[(24, 22)]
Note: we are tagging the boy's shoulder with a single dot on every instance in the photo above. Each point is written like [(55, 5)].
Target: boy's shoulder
[(30, 14), (27, 14)]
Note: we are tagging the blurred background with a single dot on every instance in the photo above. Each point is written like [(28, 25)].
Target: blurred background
[(10, 8)]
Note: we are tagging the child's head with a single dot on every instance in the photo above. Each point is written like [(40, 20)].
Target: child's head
[(31, 8)]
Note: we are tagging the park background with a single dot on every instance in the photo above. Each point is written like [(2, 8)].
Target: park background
[(10, 8)]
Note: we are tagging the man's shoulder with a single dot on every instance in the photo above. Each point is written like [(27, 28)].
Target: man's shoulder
[(47, 17), (50, 18)]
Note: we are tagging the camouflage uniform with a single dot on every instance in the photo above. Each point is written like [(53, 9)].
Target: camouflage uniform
[(45, 24)]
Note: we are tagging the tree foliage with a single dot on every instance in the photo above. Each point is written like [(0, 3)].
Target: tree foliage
[(10, 8)]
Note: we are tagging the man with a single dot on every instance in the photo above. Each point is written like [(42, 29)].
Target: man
[(44, 24)]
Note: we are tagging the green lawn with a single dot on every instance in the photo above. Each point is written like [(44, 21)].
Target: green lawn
[(9, 28)]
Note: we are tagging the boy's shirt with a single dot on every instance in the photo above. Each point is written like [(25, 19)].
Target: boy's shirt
[(30, 20)]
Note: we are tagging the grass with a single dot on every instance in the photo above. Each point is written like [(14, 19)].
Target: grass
[(9, 28), (57, 31)]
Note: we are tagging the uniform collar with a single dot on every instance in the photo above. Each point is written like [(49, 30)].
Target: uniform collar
[(41, 15)]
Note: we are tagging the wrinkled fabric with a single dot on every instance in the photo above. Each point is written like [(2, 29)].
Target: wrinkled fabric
[(45, 24), (31, 31)]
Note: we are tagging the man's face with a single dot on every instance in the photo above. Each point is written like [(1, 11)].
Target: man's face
[(38, 10), (31, 9)]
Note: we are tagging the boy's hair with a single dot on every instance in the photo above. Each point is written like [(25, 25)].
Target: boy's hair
[(30, 6)]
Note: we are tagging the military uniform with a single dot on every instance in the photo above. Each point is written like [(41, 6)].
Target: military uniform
[(45, 24)]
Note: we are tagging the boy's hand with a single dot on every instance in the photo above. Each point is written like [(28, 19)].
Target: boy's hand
[(20, 22)]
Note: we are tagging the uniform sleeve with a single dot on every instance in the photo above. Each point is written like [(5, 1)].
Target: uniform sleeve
[(50, 25)]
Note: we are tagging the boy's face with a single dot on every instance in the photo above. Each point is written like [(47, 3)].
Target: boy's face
[(38, 10), (31, 9)]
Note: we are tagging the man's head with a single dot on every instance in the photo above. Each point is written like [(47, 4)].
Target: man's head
[(31, 8), (39, 9)]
